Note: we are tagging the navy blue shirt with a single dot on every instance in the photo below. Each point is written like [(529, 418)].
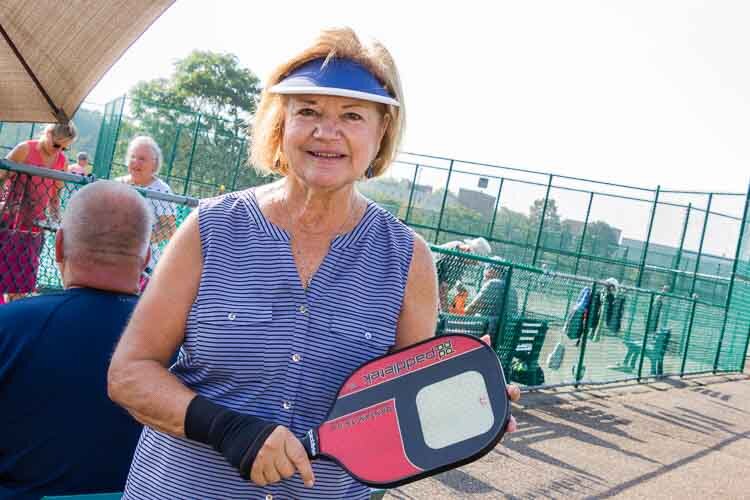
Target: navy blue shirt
[(59, 432)]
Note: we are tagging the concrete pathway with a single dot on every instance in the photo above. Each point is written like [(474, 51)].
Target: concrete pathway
[(668, 439)]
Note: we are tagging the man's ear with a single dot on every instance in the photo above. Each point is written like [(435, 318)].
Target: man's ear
[(59, 252)]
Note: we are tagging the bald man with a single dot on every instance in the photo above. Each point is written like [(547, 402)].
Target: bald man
[(59, 432)]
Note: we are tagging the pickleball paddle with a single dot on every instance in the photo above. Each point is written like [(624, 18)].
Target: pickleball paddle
[(415, 412)]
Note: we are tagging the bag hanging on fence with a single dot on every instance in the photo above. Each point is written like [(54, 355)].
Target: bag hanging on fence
[(555, 358), (576, 318), (614, 322)]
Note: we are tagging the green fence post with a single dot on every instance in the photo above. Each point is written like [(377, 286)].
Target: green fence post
[(192, 153), (700, 245), (541, 221), (642, 266), (173, 152), (744, 351), (579, 250), (645, 336), (31, 132), (728, 301), (107, 144), (584, 337), (442, 205), (411, 193), (678, 257), (687, 336), (100, 141), (238, 164), (504, 311), (497, 205)]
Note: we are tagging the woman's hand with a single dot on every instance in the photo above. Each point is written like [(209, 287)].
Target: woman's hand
[(514, 393), (280, 457)]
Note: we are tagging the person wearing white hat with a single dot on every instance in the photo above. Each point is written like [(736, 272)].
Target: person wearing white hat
[(450, 268)]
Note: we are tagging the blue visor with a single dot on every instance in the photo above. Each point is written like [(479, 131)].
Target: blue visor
[(340, 77)]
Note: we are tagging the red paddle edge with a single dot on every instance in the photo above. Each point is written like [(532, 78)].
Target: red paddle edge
[(311, 439)]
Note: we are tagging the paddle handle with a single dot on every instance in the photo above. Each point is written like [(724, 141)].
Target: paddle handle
[(311, 442)]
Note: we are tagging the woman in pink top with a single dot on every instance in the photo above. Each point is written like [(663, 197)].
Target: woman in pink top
[(24, 199)]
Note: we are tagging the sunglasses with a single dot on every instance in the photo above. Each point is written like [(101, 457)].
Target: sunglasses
[(59, 146)]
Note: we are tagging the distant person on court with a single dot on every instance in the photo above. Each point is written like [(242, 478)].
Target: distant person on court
[(82, 165), (25, 201), (458, 304), (450, 268), (277, 293), (489, 299), (59, 432), (144, 160)]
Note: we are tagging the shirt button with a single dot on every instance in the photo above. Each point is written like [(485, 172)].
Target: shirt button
[(269, 497), (368, 335), (231, 316), (303, 309), (287, 405), (296, 357)]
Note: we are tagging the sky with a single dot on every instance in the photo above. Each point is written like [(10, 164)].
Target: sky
[(642, 93)]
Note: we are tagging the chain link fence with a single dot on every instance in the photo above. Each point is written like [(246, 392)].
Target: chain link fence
[(550, 328), (547, 327), (689, 251), (32, 200)]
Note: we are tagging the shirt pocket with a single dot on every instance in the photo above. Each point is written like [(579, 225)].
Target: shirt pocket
[(356, 341), (233, 340)]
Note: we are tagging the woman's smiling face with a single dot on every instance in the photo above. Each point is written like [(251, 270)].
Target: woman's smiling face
[(330, 141)]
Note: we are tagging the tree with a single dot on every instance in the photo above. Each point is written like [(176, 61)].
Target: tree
[(216, 84), (198, 116), (551, 218), (601, 239)]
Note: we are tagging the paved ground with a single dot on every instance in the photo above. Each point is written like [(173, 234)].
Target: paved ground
[(669, 439)]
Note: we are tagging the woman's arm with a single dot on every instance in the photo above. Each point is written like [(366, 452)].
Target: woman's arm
[(164, 228), (419, 310), (16, 155), (138, 378)]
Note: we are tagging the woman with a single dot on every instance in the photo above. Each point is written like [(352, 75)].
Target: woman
[(24, 200), (276, 294), (144, 160), (451, 268)]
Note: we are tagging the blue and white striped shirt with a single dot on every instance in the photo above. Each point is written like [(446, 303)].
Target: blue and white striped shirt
[(257, 342)]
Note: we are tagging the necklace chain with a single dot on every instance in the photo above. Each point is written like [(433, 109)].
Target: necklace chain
[(305, 267)]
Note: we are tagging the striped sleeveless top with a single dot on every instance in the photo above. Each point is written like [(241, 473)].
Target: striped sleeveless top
[(256, 341)]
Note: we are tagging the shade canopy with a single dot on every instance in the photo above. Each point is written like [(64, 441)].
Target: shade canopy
[(53, 53)]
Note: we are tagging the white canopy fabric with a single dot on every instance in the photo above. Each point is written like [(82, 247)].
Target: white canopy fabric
[(53, 53)]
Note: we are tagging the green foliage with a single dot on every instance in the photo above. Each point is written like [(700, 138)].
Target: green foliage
[(551, 218), (88, 122), (601, 239), (198, 117), (217, 85)]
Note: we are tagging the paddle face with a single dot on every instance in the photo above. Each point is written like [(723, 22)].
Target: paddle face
[(432, 406)]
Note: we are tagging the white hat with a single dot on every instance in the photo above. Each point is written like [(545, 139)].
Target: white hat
[(479, 246), (611, 281)]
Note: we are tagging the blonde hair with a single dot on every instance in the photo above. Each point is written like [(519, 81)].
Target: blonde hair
[(267, 131), (62, 131)]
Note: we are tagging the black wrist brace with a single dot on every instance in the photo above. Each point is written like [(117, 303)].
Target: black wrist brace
[(236, 436)]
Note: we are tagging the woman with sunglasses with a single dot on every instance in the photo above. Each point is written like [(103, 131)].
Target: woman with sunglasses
[(24, 201)]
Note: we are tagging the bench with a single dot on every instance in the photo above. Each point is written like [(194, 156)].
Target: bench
[(449, 324), (519, 349)]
